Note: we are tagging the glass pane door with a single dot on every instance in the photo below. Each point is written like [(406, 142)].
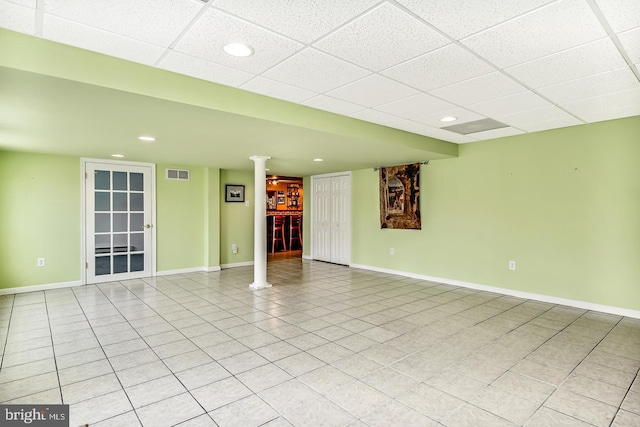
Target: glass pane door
[(118, 222)]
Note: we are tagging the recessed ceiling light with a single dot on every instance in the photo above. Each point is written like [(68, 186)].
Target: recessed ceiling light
[(238, 49), (448, 119), (117, 155), (146, 138), (318, 160)]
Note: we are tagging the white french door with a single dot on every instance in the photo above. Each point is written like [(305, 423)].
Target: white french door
[(118, 221), (331, 219)]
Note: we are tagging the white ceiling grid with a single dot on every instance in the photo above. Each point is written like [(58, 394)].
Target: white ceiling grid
[(532, 64)]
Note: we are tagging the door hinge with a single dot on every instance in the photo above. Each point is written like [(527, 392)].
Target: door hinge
[(86, 175), (86, 265)]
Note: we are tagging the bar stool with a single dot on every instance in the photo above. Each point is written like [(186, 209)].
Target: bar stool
[(277, 235), (294, 230)]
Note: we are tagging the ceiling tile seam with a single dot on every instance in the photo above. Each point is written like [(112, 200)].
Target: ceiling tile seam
[(159, 66), (276, 64), (311, 45), (515, 79), (529, 12), (364, 107), (293, 38), (39, 18), (602, 96), (81, 24), (348, 22), (262, 74), (185, 30), (614, 37)]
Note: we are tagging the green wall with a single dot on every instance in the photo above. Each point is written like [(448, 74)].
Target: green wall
[(212, 218), (180, 219), (564, 204), (236, 219), (39, 218)]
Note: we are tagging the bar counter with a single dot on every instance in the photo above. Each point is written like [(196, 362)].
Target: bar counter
[(297, 244)]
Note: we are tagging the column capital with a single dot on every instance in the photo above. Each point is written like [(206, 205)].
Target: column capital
[(254, 158)]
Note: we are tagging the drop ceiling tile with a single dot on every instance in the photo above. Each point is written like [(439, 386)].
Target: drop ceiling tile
[(611, 113), (278, 90), (372, 91), (26, 3), (478, 14), (550, 29), (592, 86), (501, 106), (90, 38), (607, 107), (622, 15), (479, 89), (521, 119), (157, 22), (216, 29), (445, 66), (338, 106), (552, 124), (304, 20), (422, 129), (496, 133), (17, 18), (382, 38), (462, 114), (375, 116), (205, 70), (570, 64), (414, 106), (631, 42), (316, 71)]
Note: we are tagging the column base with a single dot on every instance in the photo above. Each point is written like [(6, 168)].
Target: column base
[(255, 286)]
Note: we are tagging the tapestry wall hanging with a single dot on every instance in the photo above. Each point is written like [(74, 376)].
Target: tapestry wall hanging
[(400, 197)]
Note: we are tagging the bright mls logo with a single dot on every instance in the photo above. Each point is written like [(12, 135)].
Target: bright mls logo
[(35, 415)]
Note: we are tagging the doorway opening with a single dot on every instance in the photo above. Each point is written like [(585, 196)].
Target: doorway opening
[(284, 217)]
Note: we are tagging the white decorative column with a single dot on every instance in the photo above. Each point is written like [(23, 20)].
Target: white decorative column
[(260, 224)]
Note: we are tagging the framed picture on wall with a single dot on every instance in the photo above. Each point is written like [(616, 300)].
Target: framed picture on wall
[(234, 193)]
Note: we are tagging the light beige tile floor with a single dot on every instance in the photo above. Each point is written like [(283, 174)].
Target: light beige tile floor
[(326, 346)]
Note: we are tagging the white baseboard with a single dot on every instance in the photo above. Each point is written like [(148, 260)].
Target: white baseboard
[(180, 271), (237, 264), (187, 270), (36, 288), (620, 311), (304, 256)]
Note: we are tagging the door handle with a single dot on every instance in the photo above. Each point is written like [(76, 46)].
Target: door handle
[(148, 226)]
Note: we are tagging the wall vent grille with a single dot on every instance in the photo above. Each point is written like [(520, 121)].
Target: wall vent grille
[(179, 174)]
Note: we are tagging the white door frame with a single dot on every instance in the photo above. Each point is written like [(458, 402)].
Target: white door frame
[(83, 211), (312, 219)]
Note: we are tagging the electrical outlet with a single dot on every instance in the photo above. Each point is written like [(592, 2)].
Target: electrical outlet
[(512, 265), (392, 251), (40, 262), (234, 248), (246, 203)]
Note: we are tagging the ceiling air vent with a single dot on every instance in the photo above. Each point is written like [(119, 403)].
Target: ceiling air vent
[(178, 174), (475, 126)]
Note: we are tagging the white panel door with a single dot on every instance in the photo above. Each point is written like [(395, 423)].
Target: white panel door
[(341, 220), (321, 219), (331, 220), (118, 221)]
